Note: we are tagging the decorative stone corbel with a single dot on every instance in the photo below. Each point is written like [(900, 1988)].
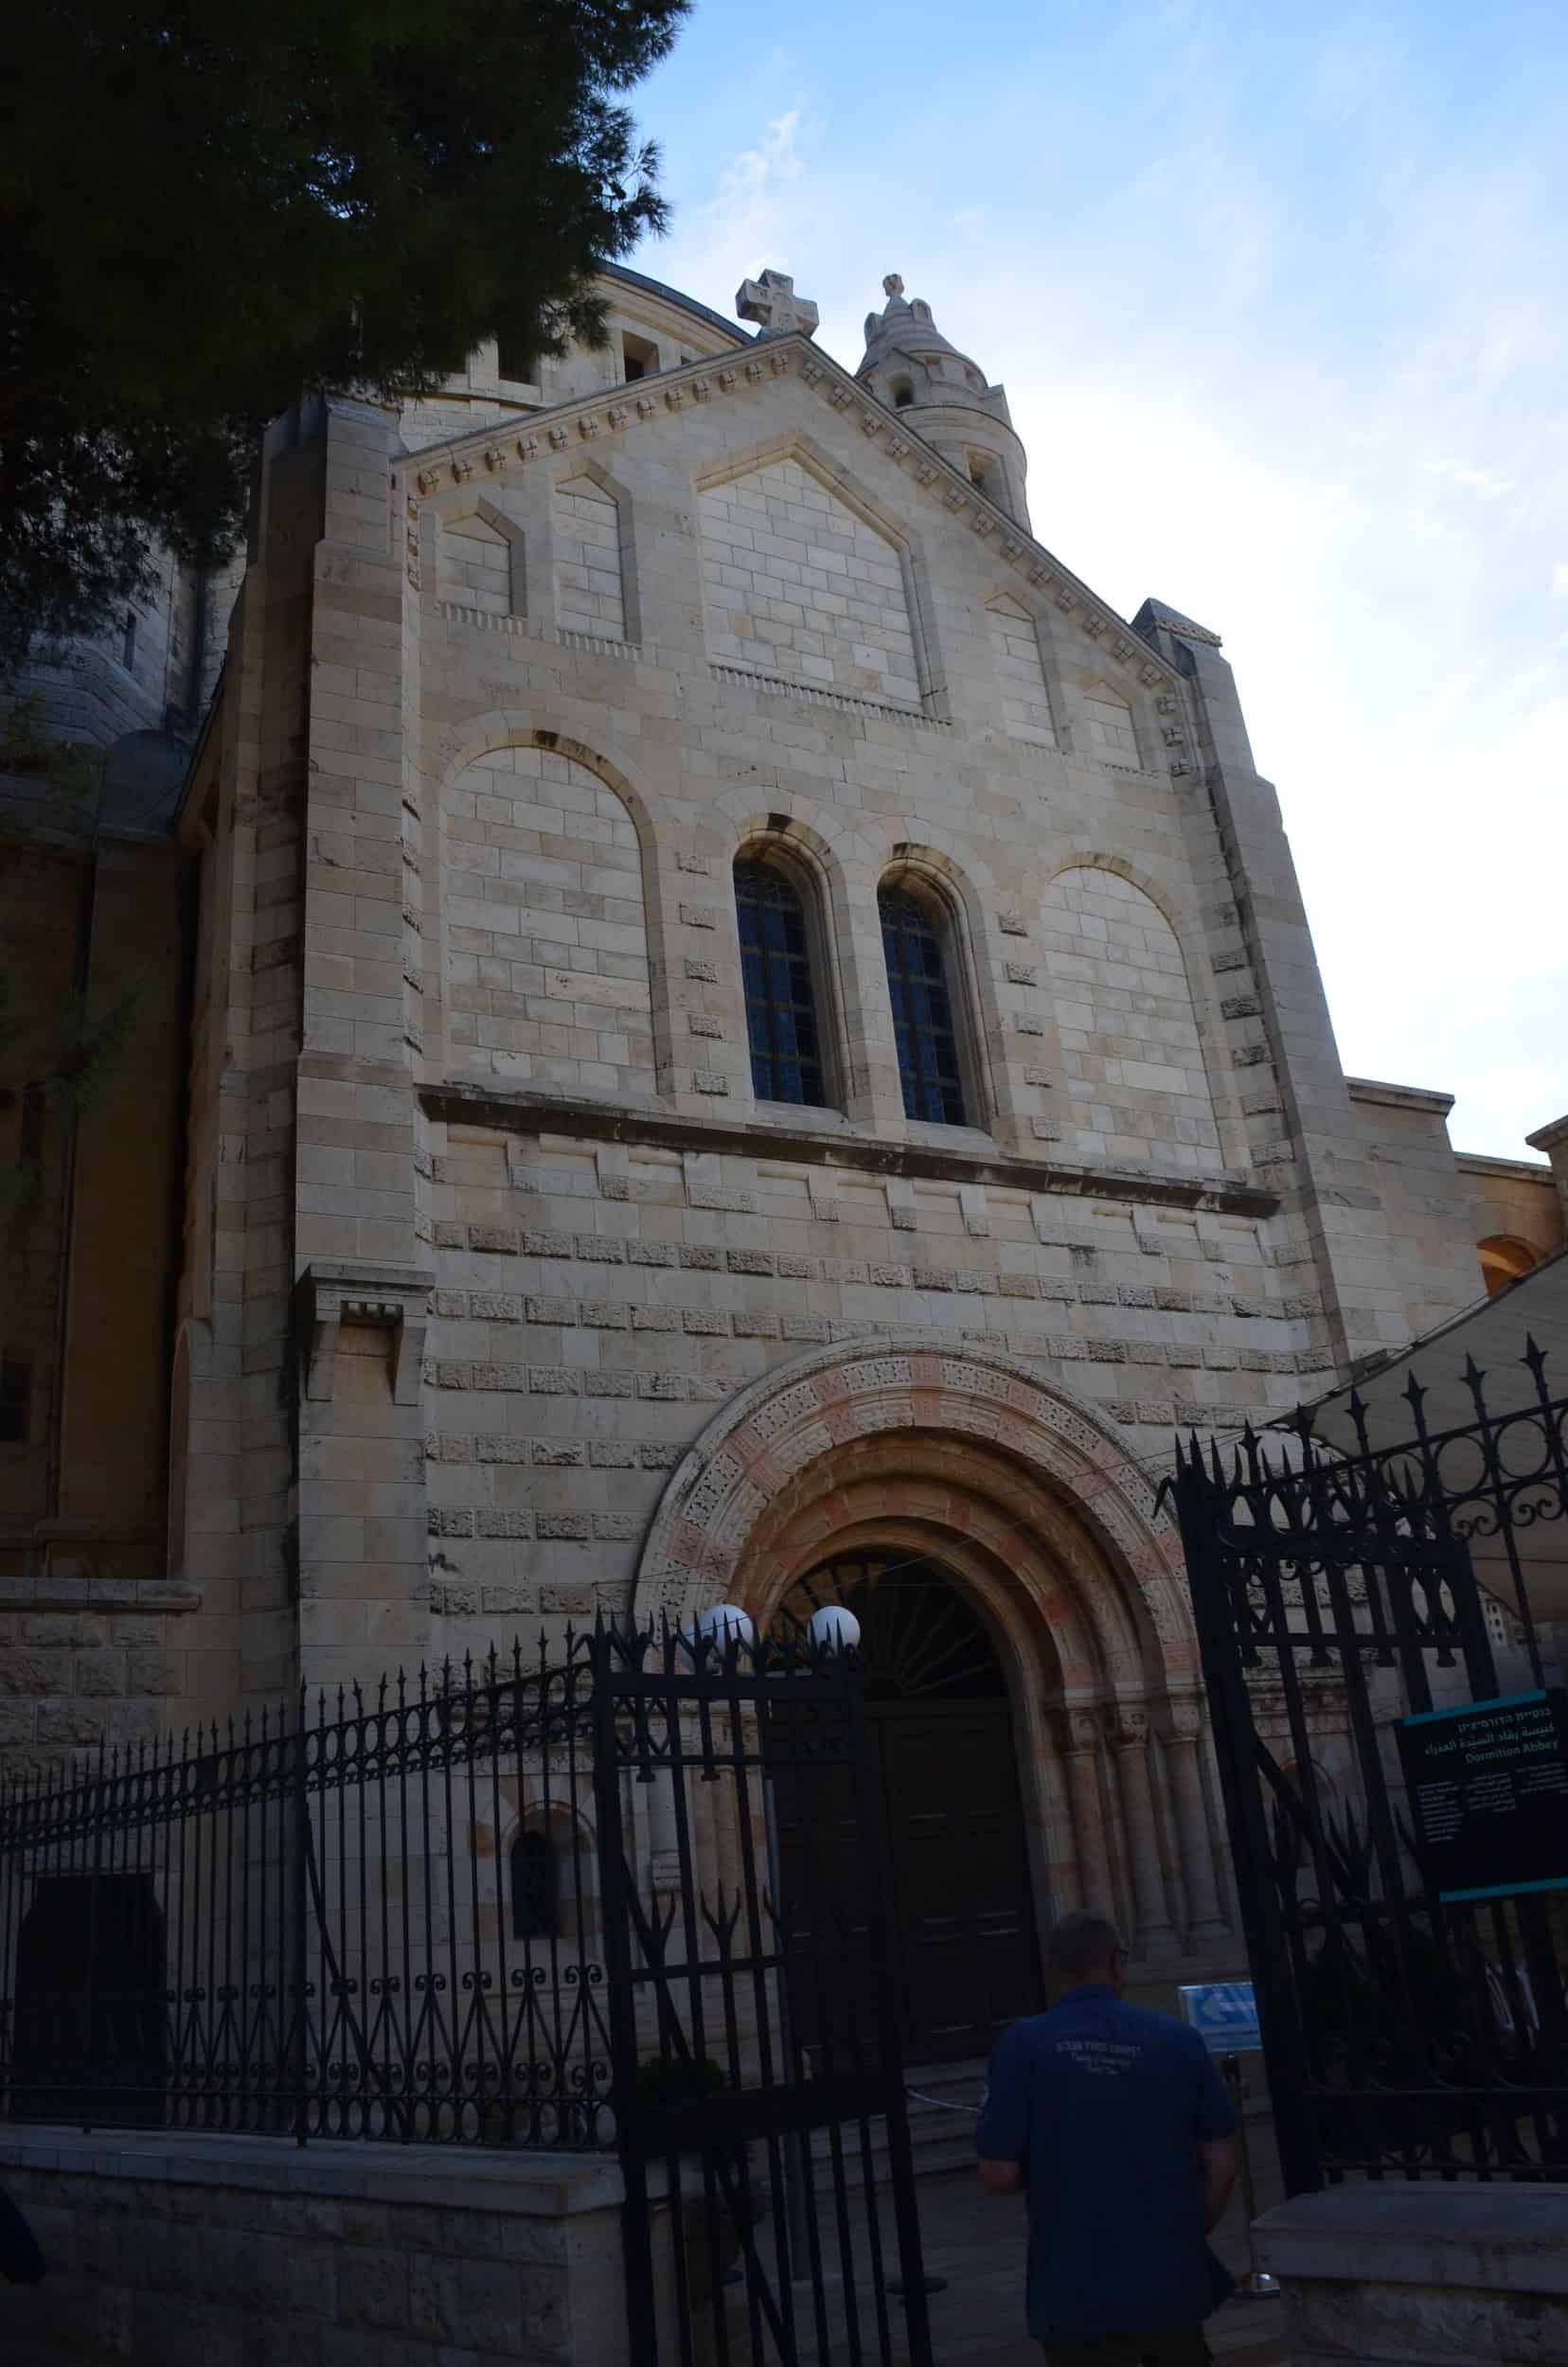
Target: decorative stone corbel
[(396, 1299), (902, 1213), (977, 1215)]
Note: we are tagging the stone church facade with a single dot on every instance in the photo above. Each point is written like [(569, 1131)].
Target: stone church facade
[(728, 1031)]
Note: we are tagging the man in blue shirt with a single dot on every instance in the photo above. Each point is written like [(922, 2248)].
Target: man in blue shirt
[(1117, 2127)]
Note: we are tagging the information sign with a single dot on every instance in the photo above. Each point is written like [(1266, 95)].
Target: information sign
[(1488, 1790), (1223, 2013)]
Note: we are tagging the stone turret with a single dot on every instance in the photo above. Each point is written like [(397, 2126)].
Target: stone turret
[(914, 369)]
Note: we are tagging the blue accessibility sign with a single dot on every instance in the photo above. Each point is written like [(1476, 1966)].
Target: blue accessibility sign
[(1223, 2013)]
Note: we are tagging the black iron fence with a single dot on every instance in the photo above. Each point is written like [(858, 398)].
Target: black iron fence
[(1407, 2032), (765, 2142), (626, 1894), (373, 1916)]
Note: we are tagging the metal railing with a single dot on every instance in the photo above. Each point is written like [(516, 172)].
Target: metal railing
[(375, 1914), (1406, 2034)]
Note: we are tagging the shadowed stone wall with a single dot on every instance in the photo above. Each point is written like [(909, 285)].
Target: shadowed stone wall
[(234, 2251)]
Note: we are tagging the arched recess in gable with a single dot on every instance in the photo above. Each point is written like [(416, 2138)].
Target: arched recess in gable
[(1135, 1074), (594, 555), (549, 935), (1025, 703), (1109, 731), (479, 559), (808, 580)]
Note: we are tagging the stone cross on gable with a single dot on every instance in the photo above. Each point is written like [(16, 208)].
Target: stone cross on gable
[(771, 300)]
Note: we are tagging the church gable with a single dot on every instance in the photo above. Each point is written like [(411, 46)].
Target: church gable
[(798, 586), (752, 513)]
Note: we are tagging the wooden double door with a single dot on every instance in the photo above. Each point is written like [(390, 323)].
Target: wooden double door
[(967, 1952), (947, 1806)]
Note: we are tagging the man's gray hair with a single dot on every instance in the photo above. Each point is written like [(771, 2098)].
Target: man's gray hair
[(1080, 1944)]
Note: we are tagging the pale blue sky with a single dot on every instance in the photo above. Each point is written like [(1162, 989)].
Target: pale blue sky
[(1278, 299)]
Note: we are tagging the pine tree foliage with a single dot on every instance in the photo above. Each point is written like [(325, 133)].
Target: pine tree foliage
[(208, 212)]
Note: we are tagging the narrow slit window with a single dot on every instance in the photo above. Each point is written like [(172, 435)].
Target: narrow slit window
[(15, 1386), (639, 358), (516, 361), (781, 1014), (533, 1887), (30, 1136), (922, 1009)]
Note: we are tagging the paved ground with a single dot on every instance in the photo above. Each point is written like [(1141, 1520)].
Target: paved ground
[(977, 2244)]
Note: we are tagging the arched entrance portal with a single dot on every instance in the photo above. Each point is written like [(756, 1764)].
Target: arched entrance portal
[(1026, 1501), (949, 1803)]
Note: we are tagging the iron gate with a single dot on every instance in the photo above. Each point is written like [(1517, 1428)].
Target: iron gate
[(1402, 2037), (758, 2086)]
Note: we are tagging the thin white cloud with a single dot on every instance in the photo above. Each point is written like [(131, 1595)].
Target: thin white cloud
[(1482, 481), (748, 183), (742, 228)]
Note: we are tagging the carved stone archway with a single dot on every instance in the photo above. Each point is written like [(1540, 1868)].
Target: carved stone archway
[(758, 1444), (1030, 1501)]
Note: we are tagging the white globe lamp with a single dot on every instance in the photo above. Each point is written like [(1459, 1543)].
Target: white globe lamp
[(833, 1629), (724, 1625)]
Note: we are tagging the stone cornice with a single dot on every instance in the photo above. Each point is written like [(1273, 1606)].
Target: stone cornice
[(485, 453), (1511, 1170), (1373, 1091), (593, 1121), (172, 1597)]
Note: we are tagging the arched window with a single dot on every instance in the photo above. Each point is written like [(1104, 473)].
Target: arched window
[(775, 961), (922, 1009), (904, 394), (1503, 1260), (533, 1887)]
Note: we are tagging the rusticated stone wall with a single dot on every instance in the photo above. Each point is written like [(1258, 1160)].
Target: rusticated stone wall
[(233, 2252)]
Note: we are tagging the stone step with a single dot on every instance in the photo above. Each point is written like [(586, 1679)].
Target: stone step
[(941, 2137)]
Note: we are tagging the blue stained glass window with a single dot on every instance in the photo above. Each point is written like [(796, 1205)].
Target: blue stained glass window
[(781, 1017), (922, 1009)]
